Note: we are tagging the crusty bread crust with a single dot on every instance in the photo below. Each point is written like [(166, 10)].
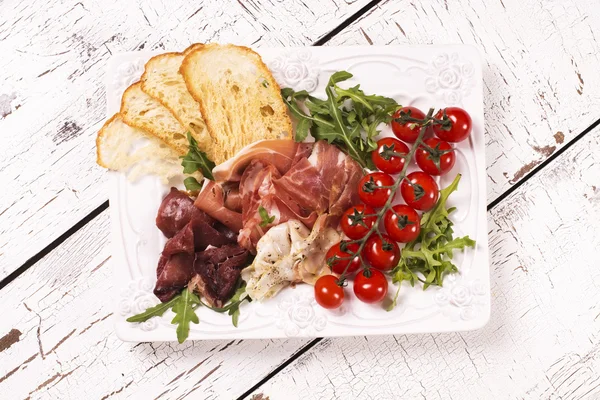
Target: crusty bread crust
[(101, 133), (174, 136), (192, 47), (230, 142), (162, 81)]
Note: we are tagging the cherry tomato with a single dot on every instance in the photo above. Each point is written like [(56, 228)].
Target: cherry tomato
[(459, 128), (437, 161), (354, 222), (381, 252), (328, 293), (421, 193), (337, 252), (370, 191), (408, 131), (384, 158), (371, 286), (402, 223)]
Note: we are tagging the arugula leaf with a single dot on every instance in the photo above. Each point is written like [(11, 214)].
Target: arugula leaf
[(156, 311), (264, 216), (183, 305), (430, 254), (192, 184), (302, 130), (184, 310), (233, 307), (197, 160), (235, 302), (348, 118), (339, 76)]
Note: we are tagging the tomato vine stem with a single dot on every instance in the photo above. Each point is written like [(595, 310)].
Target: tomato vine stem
[(424, 123)]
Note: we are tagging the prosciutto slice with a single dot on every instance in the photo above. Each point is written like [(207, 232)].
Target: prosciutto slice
[(258, 190), (321, 179), (279, 153), (211, 200)]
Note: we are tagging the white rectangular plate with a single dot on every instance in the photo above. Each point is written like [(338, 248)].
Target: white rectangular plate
[(423, 76)]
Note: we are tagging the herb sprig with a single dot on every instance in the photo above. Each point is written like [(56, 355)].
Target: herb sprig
[(196, 160), (266, 219), (430, 254), (184, 306), (348, 118)]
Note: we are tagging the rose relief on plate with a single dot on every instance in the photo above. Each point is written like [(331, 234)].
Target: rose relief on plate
[(450, 77), (297, 70)]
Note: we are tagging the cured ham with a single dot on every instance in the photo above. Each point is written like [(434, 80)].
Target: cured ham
[(321, 179), (211, 200), (232, 196), (278, 152), (258, 190)]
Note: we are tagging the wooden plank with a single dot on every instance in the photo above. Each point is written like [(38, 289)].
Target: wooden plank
[(543, 340), (52, 99), (57, 338), (541, 81)]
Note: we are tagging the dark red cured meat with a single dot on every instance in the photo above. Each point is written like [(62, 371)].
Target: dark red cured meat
[(225, 231), (175, 266), (182, 242), (173, 274), (176, 210), (218, 271), (176, 263), (206, 235)]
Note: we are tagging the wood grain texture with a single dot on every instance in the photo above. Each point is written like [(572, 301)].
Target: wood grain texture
[(541, 81), (52, 98), (59, 342), (543, 340)]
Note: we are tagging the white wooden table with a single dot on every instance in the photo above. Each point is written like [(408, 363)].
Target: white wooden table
[(542, 110)]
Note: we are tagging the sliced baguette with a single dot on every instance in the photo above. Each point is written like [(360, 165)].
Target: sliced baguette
[(135, 152), (142, 111), (239, 98), (162, 80)]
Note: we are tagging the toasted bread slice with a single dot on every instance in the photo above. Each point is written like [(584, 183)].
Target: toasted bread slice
[(192, 47), (162, 80), (142, 111), (135, 152), (239, 98)]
